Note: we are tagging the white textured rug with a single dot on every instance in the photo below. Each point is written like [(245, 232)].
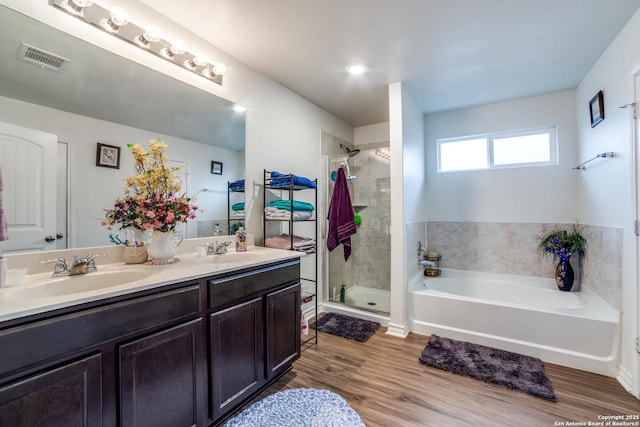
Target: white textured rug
[(298, 407)]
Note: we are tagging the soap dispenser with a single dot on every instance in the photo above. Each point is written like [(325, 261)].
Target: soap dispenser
[(342, 293), (241, 240), (216, 230)]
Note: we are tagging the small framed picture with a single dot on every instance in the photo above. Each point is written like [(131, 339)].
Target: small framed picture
[(216, 168), (108, 156), (596, 109)]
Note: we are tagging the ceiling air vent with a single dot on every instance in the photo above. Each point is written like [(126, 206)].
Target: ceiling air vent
[(41, 58)]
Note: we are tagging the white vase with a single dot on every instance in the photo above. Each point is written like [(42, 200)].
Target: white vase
[(163, 247)]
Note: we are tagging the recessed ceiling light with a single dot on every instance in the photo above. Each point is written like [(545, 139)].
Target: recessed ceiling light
[(356, 69)]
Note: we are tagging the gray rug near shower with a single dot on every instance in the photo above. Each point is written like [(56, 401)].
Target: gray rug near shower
[(346, 326), (511, 370)]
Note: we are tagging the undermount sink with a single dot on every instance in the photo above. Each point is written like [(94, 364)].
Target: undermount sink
[(69, 285), (237, 257)]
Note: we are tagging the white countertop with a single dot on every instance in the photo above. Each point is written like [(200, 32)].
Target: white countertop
[(31, 298)]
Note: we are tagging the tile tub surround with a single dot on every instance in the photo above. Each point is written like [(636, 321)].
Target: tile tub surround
[(503, 247)]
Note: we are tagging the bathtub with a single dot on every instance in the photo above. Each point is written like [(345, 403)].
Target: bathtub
[(527, 315)]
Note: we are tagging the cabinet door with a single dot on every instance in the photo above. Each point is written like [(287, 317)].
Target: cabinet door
[(237, 355), (67, 396), (283, 329), (160, 378)]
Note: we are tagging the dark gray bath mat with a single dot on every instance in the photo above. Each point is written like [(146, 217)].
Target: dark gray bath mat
[(511, 370), (346, 326)]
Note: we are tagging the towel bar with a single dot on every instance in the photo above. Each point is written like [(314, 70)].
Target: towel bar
[(603, 155)]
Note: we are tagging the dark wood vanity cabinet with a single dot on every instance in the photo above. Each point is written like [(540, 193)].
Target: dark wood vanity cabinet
[(134, 360), (179, 355), (67, 395), (254, 332)]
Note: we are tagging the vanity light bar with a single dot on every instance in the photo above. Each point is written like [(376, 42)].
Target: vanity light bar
[(116, 22)]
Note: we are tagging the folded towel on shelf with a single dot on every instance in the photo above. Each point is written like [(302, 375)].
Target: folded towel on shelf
[(237, 206), (237, 214), (237, 185), (276, 213), (301, 244), (290, 205), (286, 180)]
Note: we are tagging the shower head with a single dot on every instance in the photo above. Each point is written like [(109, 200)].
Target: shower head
[(350, 153)]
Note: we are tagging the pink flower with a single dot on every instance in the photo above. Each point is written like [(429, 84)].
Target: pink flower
[(157, 224), (148, 226), (170, 217), (150, 214)]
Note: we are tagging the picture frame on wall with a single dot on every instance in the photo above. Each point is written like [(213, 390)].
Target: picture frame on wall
[(596, 109), (108, 156), (216, 168)]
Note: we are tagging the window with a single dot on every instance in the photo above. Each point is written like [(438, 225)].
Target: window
[(536, 147)]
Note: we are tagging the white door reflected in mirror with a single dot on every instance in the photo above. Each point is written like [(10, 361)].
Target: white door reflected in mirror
[(27, 162)]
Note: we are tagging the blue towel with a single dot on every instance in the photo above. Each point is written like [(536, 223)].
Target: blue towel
[(237, 185), (237, 206), (341, 218), (288, 204), (284, 180)]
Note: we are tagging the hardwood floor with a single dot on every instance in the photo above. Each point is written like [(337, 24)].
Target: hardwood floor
[(384, 382)]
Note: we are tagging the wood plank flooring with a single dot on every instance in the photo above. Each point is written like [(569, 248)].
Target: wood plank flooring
[(384, 382)]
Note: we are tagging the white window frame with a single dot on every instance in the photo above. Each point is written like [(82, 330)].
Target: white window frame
[(553, 148)]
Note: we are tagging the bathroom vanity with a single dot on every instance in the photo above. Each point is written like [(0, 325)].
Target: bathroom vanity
[(183, 347)]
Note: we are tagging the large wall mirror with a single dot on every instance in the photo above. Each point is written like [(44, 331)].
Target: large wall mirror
[(99, 97)]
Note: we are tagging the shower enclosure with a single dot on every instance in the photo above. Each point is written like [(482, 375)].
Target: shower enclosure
[(366, 275)]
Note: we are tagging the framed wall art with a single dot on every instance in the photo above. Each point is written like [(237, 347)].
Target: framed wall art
[(216, 168), (108, 156), (596, 109)]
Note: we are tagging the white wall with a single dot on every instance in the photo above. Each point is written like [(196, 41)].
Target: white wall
[(95, 188), (378, 132), (533, 194), (606, 187), (407, 195)]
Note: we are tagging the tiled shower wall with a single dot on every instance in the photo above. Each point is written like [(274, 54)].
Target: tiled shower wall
[(511, 248)]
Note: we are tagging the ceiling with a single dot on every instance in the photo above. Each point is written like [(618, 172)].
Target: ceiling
[(449, 53)]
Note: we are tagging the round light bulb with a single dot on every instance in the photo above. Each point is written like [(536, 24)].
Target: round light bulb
[(76, 6), (356, 69), (219, 68)]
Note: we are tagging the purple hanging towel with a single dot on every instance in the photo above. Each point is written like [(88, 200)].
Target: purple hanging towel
[(4, 230), (341, 223)]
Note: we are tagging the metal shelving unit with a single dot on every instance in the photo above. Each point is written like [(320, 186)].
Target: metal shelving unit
[(309, 285)]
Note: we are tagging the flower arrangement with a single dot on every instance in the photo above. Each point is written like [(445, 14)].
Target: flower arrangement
[(563, 243), (151, 201)]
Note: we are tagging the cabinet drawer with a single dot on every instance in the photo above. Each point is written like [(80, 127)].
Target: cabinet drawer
[(224, 290), (42, 341)]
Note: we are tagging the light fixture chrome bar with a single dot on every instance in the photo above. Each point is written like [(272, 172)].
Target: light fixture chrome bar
[(603, 155), (143, 38)]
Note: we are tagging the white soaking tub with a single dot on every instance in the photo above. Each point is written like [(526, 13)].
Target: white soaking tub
[(527, 315)]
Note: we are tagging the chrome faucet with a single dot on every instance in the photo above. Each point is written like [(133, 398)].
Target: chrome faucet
[(219, 249), (60, 268), (79, 266)]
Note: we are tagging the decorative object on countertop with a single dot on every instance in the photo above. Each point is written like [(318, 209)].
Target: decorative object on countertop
[(135, 254), (511, 370), (346, 326), (563, 244), (152, 201), (164, 247), (241, 240), (298, 407)]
